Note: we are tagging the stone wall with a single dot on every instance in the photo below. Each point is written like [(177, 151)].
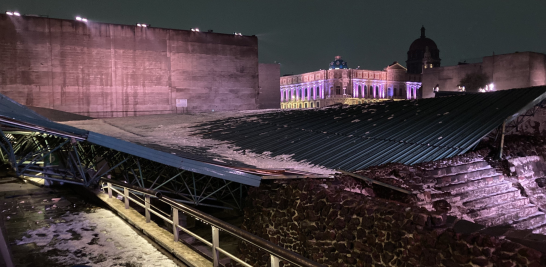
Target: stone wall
[(508, 71), (322, 221), (108, 70)]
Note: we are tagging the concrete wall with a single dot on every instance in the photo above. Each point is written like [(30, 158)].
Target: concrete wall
[(516, 70), (447, 78), (107, 70), (269, 96)]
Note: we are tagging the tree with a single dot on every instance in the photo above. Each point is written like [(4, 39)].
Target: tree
[(473, 81)]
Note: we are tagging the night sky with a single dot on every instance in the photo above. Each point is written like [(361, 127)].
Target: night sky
[(306, 35)]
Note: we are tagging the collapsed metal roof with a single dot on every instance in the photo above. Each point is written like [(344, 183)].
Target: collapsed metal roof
[(359, 136), (20, 117)]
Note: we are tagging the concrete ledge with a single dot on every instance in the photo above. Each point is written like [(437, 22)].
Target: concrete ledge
[(159, 235)]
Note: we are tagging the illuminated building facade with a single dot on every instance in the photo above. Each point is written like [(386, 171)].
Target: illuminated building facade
[(342, 85)]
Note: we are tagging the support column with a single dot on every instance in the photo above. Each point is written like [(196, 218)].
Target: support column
[(126, 197), (215, 244), (109, 190), (175, 223), (274, 261), (147, 208)]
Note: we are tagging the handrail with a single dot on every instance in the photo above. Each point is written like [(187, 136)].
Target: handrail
[(275, 251), (377, 182)]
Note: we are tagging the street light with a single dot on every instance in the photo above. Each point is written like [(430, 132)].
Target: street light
[(13, 13)]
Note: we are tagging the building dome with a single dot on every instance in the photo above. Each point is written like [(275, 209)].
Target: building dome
[(338, 63), (422, 43), (420, 48)]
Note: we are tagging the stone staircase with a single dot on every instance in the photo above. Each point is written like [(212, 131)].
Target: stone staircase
[(478, 193)]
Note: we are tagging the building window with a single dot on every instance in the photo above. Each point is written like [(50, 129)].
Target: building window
[(338, 90), (365, 91), (300, 105), (311, 104), (305, 105), (306, 92), (359, 90), (318, 105)]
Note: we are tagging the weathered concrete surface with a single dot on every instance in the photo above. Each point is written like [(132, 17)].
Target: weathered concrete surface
[(516, 70), (269, 96), (156, 233), (107, 70)]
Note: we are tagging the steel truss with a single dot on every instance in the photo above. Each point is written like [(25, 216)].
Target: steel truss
[(66, 159)]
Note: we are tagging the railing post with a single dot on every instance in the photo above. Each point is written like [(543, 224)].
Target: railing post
[(147, 207), (215, 244), (274, 261), (175, 223), (126, 197), (109, 190)]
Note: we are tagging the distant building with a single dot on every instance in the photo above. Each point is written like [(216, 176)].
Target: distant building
[(422, 54), (508, 71), (339, 84)]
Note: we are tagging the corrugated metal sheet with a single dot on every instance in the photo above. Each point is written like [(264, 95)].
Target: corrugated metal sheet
[(15, 113), (360, 136)]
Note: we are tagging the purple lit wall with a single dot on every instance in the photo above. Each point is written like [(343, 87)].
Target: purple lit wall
[(108, 70)]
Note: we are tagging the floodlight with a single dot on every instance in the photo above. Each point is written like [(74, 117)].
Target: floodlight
[(84, 19), (195, 29), (9, 13), (16, 14), (79, 18), (139, 25)]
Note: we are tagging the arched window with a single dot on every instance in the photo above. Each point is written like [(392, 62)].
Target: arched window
[(306, 92), (300, 105), (311, 104), (338, 90), (359, 90), (305, 105), (318, 104), (365, 91)]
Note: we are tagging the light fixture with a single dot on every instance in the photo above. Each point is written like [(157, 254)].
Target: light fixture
[(9, 13), (13, 13), (195, 29), (16, 14), (78, 18), (142, 25), (238, 34)]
